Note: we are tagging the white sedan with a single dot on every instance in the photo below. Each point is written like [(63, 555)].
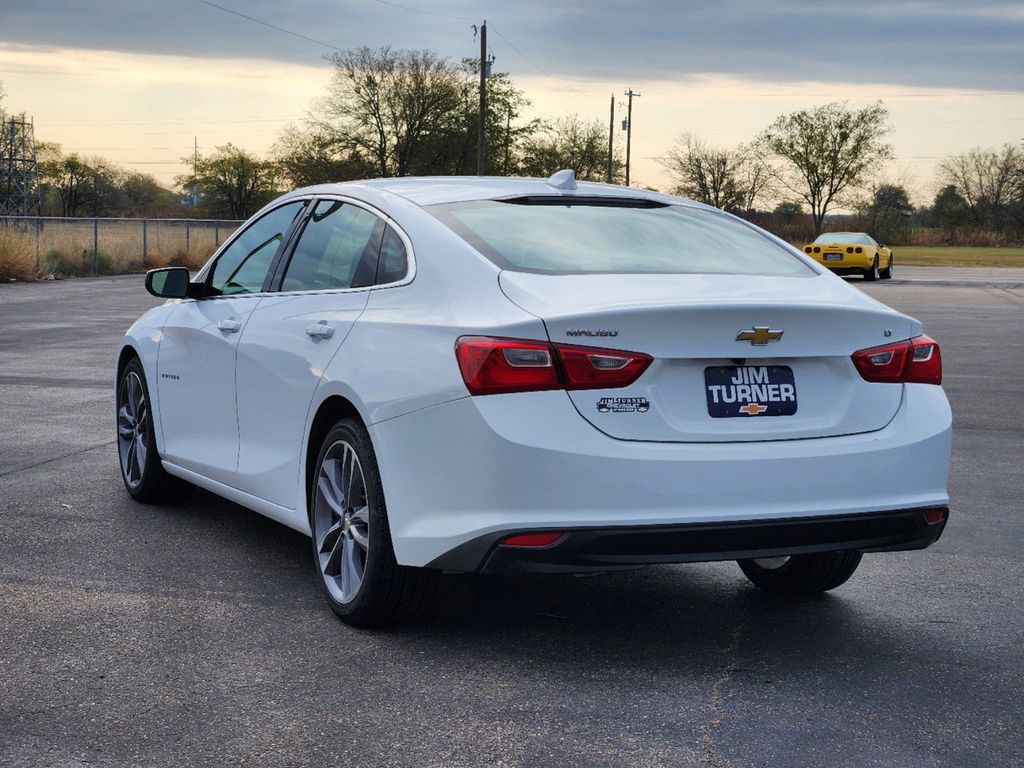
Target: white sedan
[(513, 375)]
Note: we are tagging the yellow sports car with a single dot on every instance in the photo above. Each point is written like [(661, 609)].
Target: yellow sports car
[(852, 253)]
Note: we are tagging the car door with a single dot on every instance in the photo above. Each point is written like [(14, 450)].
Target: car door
[(292, 336), (196, 359)]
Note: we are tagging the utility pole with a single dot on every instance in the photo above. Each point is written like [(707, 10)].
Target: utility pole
[(195, 171), (611, 138), (508, 139), (629, 128), (481, 148)]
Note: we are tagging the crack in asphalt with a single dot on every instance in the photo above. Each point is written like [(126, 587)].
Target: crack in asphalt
[(52, 459), (717, 699)]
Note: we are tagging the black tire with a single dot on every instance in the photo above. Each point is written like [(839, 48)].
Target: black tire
[(803, 574), (886, 274), (388, 593), (148, 482), (872, 273)]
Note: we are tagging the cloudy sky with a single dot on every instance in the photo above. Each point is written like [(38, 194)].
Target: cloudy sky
[(137, 80)]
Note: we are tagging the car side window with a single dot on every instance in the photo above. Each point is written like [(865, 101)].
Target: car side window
[(338, 248), (394, 261), (243, 265)]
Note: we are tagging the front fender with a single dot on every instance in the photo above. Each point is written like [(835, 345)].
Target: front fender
[(143, 340)]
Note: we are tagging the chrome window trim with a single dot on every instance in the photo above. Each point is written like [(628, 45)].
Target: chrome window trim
[(410, 273)]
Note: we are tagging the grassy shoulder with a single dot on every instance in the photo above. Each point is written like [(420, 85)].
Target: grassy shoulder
[(957, 256)]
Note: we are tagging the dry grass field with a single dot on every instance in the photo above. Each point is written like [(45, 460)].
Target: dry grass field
[(957, 256), (73, 248)]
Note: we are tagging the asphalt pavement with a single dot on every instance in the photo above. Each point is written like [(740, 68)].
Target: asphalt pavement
[(194, 634)]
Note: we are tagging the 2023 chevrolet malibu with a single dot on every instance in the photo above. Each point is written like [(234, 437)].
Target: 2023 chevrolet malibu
[(512, 375)]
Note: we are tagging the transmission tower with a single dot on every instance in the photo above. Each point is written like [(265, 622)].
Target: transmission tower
[(19, 171)]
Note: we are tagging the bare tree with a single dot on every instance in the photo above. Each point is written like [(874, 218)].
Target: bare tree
[(730, 179), (823, 153), (704, 173), (990, 181), (386, 103), (753, 176)]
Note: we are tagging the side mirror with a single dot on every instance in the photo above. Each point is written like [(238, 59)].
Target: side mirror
[(168, 283)]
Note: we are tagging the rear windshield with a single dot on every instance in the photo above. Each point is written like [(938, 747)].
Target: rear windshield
[(604, 238), (843, 238)]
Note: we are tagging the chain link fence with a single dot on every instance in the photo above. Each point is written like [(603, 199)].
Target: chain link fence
[(104, 246)]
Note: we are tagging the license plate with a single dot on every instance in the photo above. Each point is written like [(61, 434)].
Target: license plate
[(750, 390), (833, 257)]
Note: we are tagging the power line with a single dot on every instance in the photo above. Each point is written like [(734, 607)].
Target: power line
[(175, 121), (411, 9), (536, 66), (424, 12), (273, 26)]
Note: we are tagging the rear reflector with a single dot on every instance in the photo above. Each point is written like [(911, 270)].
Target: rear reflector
[(492, 366), (532, 539), (915, 361), (933, 516)]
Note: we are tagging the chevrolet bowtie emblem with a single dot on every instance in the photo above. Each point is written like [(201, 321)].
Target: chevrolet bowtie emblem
[(759, 335), (753, 409)]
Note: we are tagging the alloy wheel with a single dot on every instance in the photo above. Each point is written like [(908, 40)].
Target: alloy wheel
[(771, 563), (341, 521), (132, 428)]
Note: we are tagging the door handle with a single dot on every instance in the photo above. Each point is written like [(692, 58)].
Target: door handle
[(320, 331), (229, 326)]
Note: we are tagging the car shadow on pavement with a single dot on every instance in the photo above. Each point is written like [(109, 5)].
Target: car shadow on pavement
[(697, 616)]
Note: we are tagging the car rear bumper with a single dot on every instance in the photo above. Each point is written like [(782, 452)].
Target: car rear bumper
[(603, 549), (480, 467), (855, 263)]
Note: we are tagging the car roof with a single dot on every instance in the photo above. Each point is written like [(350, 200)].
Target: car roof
[(434, 190)]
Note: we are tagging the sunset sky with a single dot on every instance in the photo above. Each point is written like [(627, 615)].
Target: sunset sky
[(135, 81)]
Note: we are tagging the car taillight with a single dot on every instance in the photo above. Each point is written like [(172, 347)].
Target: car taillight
[(590, 368), (492, 366), (916, 361)]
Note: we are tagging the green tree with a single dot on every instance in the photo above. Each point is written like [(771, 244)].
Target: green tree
[(950, 209), (570, 142), (823, 153), (454, 150), (314, 156), (140, 193), (70, 179), (887, 214), (232, 182)]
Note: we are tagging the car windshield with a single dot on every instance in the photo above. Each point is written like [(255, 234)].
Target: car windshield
[(604, 236), (843, 238)]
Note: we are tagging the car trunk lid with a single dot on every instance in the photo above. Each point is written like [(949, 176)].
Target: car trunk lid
[(710, 358)]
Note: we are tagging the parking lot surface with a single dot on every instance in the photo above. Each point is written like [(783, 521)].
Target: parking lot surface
[(195, 634)]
